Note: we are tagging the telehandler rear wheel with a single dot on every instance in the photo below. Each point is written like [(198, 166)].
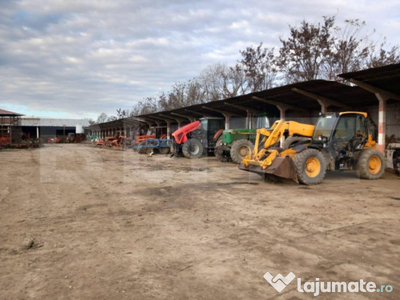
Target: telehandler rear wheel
[(310, 166), (240, 149), (371, 164), (192, 148)]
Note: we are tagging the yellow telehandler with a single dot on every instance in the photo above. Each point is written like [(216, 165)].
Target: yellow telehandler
[(339, 141)]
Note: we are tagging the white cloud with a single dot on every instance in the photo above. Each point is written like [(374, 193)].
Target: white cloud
[(84, 56)]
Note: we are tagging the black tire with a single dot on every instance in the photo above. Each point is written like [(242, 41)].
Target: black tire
[(218, 143), (192, 148), (220, 154), (310, 166), (143, 150), (240, 149), (164, 150), (371, 164), (396, 162), (291, 141)]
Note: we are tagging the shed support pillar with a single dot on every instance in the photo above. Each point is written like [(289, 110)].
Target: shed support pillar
[(227, 120), (37, 132), (382, 122), (168, 129), (324, 108), (282, 117)]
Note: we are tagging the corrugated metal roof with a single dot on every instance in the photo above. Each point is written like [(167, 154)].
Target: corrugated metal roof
[(386, 77), (353, 97), (53, 122)]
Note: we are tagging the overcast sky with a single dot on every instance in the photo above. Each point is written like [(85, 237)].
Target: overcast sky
[(79, 58)]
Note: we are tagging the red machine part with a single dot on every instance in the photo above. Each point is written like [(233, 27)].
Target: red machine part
[(218, 134), (179, 135)]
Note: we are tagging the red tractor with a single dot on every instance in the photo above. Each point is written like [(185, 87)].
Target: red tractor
[(198, 138)]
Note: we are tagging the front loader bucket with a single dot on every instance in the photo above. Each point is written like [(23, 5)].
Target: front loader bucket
[(282, 167)]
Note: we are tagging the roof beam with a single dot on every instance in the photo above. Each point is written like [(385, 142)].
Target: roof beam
[(373, 89), (224, 113), (325, 102), (197, 113), (140, 120), (131, 121), (178, 120), (279, 105), (155, 118), (191, 119), (248, 109), (148, 120)]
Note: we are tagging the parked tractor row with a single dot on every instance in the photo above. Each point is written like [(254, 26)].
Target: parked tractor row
[(339, 141)]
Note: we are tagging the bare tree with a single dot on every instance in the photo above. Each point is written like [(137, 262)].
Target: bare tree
[(348, 50), (147, 106), (312, 51), (219, 81), (379, 56), (323, 51), (91, 121), (303, 54), (111, 118), (122, 113), (102, 118), (259, 65), (211, 80)]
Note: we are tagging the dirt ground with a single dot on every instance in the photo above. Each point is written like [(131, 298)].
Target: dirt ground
[(79, 222)]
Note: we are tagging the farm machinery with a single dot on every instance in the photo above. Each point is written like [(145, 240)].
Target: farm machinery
[(112, 141), (198, 138), (149, 139), (339, 141), (235, 144), (393, 156)]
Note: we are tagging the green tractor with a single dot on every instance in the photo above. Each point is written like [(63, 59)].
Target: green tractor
[(234, 144)]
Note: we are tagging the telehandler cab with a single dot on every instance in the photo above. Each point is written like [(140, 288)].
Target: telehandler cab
[(339, 141)]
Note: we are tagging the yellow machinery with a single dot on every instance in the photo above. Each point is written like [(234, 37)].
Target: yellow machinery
[(339, 141)]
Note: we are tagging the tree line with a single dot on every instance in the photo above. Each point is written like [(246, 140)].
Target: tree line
[(311, 51)]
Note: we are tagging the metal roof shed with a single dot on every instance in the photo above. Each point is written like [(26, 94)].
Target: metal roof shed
[(384, 83)]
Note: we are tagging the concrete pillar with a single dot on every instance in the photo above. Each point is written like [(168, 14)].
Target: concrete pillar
[(283, 114), (283, 118), (382, 123), (168, 130), (37, 132), (227, 121), (324, 108), (249, 120)]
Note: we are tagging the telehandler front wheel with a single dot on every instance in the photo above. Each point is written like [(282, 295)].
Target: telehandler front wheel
[(371, 164), (310, 166)]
